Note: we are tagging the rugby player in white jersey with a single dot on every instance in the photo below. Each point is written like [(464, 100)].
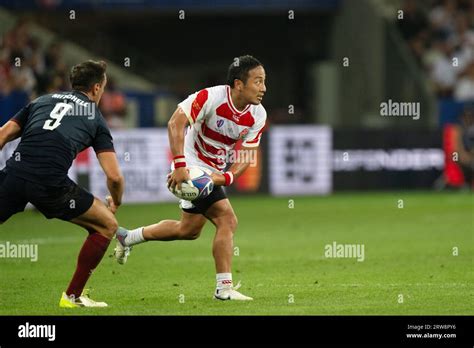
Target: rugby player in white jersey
[(216, 117)]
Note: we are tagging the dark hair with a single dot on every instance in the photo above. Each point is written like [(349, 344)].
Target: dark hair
[(85, 75), (239, 69)]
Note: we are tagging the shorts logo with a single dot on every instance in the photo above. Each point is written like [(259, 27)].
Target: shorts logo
[(220, 123)]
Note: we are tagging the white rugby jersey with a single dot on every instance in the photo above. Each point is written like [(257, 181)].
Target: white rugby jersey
[(216, 125)]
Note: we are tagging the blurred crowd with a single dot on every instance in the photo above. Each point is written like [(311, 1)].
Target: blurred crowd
[(27, 67), (28, 70), (441, 36)]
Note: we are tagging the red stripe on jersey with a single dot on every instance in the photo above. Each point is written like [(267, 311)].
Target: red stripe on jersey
[(210, 148), (213, 162), (257, 138), (198, 103), (212, 134), (246, 119)]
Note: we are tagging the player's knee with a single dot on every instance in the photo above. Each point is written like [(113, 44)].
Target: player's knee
[(232, 222), (190, 232), (193, 235), (111, 226), (227, 222)]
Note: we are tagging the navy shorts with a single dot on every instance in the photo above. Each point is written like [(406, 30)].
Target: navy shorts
[(201, 206), (65, 202)]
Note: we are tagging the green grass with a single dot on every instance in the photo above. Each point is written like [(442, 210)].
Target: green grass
[(408, 251)]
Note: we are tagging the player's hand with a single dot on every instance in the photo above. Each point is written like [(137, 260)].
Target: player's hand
[(109, 202), (218, 179), (178, 176)]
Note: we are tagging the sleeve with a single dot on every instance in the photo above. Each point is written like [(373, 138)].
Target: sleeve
[(22, 116), (252, 139), (103, 141), (196, 106)]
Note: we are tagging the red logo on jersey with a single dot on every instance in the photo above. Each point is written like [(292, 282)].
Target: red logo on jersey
[(198, 103), (196, 107), (243, 133)]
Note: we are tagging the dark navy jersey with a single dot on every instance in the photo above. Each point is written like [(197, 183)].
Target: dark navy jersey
[(54, 129)]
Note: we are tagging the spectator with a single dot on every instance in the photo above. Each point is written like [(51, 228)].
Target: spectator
[(440, 62), (449, 35), (26, 70), (22, 74), (414, 28), (442, 16), (464, 39), (464, 90)]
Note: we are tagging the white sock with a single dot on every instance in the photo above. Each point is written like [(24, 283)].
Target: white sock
[(224, 280), (135, 236)]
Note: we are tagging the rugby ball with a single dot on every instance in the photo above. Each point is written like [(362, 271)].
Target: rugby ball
[(199, 186)]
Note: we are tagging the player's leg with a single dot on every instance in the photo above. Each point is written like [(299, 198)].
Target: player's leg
[(222, 215), (98, 218), (73, 204), (101, 225), (12, 196), (188, 228)]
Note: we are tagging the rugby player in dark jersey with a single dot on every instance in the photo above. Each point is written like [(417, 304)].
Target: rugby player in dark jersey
[(54, 128)]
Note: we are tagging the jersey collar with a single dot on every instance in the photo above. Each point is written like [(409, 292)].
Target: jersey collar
[(231, 104)]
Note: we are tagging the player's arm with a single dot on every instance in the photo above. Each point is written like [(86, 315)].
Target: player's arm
[(14, 128), (236, 169), (115, 181), (176, 126), (10, 131)]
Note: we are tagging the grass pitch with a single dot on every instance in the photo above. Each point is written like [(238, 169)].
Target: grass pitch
[(418, 260)]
